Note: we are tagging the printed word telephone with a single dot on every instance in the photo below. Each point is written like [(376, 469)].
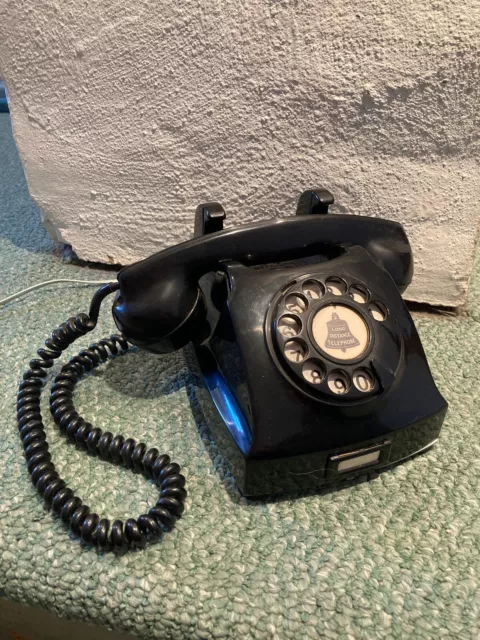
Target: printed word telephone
[(310, 367)]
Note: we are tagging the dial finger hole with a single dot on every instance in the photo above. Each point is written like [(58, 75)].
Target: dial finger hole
[(359, 294), (313, 289), (363, 380), (337, 286), (378, 311), (313, 371), (296, 303), (295, 350), (338, 382), (289, 326)]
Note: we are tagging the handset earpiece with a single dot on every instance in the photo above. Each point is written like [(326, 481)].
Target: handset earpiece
[(164, 314), (160, 317)]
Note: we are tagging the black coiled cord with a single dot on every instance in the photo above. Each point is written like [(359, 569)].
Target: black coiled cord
[(132, 455)]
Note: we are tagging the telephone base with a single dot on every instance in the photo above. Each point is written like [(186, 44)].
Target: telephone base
[(259, 477)]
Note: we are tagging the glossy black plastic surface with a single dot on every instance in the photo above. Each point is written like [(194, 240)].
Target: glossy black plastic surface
[(314, 202), (209, 218), (227, 290)]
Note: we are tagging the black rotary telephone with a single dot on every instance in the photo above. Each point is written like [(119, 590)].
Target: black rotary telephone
[(311, 367)]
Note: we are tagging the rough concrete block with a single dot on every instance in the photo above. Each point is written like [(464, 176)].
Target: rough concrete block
[(127, 115)]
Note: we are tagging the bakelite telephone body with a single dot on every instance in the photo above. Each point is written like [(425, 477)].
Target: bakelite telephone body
[(310, 367)]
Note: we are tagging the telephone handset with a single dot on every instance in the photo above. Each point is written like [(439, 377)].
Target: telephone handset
[(160, 301), (310, 368)]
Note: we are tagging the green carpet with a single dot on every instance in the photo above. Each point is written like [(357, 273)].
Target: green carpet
[(396, 557)]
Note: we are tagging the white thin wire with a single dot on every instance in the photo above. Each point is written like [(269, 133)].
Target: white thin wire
[(14, 296)]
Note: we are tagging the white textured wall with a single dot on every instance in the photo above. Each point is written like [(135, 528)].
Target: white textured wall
[(128, 114)]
